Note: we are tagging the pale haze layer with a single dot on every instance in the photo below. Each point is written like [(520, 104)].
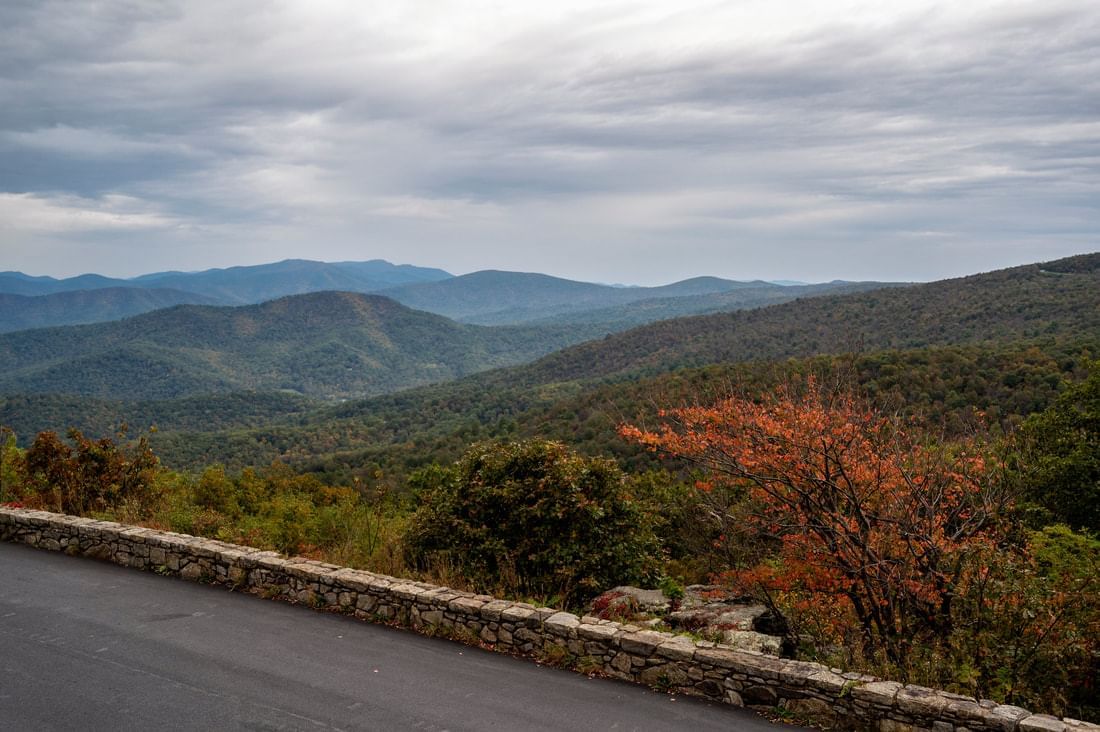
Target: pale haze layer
[(637, 142)]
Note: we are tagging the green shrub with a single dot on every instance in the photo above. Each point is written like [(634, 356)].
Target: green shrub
[(533, 518)]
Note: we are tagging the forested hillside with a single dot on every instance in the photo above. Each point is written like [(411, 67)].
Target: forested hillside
[(1060, 298), (402, 431), (324, 344)]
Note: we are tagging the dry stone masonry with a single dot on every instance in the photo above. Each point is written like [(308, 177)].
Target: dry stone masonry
[(678, 664)]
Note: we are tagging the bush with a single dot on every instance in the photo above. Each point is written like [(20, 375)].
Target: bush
[(91, 476), (533, 519)]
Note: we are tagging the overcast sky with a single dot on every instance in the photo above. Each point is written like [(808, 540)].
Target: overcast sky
[(634, 142)]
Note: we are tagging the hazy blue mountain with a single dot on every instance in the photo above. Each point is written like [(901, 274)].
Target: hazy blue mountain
[(488, 297), (752, 295), (17, 283), (492, 297), (251, 284), (20, 312), (242, 285)]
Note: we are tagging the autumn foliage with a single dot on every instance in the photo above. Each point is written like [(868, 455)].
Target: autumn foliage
[(83, 475), (869, 516), (898, 550)]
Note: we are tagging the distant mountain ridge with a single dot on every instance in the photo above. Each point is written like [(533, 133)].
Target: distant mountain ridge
[(244, 284), (493, 297), (487, 297), (252, 284)]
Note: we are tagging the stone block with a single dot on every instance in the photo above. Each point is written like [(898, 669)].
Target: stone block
[(516, 613), (1041, 723), (797, 673), (596, 632), (663, 677), (827, 681), (642, 643), (379, 584), (677, 649), (492, 610), (192, 572), (1006, 716), (1076, 725), (134, 534), (526, 635), (622, 663), (466, 605), (562, 624), (880, 693), (963, 708), (920, 701), (405, 591)]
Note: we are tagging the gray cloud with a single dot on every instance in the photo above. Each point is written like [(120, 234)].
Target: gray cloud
[(628, 144)]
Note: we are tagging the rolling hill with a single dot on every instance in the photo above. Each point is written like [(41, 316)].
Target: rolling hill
[(323, 344)]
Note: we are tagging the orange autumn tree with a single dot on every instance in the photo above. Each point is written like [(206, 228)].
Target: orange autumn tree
[(872, 520)]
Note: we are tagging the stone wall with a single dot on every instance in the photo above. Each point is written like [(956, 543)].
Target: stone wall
[(677, 664)]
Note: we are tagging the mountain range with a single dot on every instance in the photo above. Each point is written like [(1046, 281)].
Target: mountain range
[(241, 285), (483, 298), (1051, 308)]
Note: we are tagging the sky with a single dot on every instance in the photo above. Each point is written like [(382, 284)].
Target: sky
[(633, 142)]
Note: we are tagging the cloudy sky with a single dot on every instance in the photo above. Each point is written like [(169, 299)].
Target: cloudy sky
[(624, 142)]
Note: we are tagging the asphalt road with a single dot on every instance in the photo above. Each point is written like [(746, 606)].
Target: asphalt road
[(86, 645)]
